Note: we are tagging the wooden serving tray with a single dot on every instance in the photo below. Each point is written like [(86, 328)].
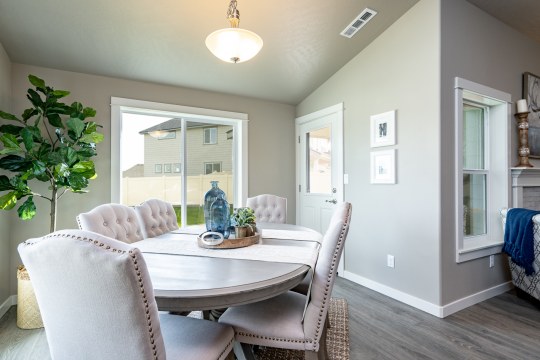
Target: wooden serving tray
[(232, 243)]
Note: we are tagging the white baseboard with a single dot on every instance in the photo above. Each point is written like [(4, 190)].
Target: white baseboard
[(470, 300), (10, 301), (420, 304)]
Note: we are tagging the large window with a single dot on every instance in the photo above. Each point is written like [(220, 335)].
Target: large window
[(178, 170), (482, 120)]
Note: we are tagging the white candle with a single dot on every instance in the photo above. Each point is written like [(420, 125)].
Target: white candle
[(522, 106)]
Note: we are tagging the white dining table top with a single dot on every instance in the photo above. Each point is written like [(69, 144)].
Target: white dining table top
[(214, 278)]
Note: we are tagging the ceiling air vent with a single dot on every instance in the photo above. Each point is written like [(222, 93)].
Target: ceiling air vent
[(357, 23)]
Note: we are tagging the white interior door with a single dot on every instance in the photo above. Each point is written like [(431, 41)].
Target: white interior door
[(319, 155)]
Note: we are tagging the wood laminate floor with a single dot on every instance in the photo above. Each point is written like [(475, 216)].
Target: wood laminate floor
[(504, 327)]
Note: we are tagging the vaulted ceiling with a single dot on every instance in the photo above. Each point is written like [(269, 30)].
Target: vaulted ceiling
[(162, 41)]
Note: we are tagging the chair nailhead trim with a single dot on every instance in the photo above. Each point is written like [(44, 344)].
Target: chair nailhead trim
[(223, 352), (296, 341), (133, 257), (321, 318)]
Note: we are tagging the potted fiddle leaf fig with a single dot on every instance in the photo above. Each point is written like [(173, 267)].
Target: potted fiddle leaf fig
[(243, 220), (50, 142)]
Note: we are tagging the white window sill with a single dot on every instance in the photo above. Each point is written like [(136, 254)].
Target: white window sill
[(476, 249)]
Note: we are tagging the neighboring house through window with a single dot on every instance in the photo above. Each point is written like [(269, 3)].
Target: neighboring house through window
[(156, 151)]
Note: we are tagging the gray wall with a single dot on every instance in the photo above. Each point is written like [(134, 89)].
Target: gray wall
[(477, 47), (399, 70), (5, 102), (271, 139)]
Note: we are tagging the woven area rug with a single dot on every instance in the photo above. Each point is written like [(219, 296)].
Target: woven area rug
[(337, 338)]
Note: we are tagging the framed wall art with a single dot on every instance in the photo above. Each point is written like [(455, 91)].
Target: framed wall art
[(383, 129), (383, 167), (531, 92)]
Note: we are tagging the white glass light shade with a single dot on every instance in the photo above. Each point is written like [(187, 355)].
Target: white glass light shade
[(234, 44)]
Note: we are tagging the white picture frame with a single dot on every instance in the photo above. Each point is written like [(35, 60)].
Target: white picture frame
[(383, 129), (383, 167)]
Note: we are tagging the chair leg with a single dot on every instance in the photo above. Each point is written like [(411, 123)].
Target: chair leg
[(322, 354), (328, 325)]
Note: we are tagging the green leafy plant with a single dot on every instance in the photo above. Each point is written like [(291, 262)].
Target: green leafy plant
[(243, 216), (50, 142)]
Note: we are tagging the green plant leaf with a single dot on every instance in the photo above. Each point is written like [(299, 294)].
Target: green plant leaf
[(85, 168), (11, 129), (76, 125), (8, 201), (90, 127), (14, 163), (86, 153), (60, 93), (54, 158), (28, 113), (36, 133), (55, 120), (8, 116), (38, 167), (37, 82), (76, 109), (10, 141), (28, 209), (61, 170), (88, 112), (5, 184), (94, 138), (34, 98), (77, 181), (70, 156), (28, 139)]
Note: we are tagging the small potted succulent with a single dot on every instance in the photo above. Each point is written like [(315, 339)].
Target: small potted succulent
[(243, 220)]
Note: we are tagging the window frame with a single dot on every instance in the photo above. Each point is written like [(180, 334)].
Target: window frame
[(497, 159), (156, 167), (239, 122)]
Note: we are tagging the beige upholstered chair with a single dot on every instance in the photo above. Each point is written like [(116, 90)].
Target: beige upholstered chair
[(97, 302), (269, 208), (277, 322), (116, 221), (157, 217)]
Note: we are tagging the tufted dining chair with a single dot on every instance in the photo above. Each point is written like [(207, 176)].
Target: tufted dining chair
[(157, 217), (279, 321), (116, 221), (97, 302), (269, 208)]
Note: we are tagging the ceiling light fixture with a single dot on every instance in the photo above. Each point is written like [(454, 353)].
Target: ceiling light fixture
[(233, 44)]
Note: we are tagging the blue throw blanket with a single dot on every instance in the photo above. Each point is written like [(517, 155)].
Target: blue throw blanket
[(519, 238)]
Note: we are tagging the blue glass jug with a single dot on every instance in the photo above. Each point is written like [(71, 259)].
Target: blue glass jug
[(219, 216), (211, 196)]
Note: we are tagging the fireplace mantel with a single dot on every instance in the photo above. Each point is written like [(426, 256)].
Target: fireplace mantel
[(526, 187)]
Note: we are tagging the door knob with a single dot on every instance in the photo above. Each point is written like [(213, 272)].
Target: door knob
[(333, 201)]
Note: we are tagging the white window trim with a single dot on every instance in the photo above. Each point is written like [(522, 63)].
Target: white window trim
[(240, 143), (477, 247)]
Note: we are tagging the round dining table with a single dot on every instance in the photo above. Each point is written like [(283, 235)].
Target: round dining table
[(186, 282)]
